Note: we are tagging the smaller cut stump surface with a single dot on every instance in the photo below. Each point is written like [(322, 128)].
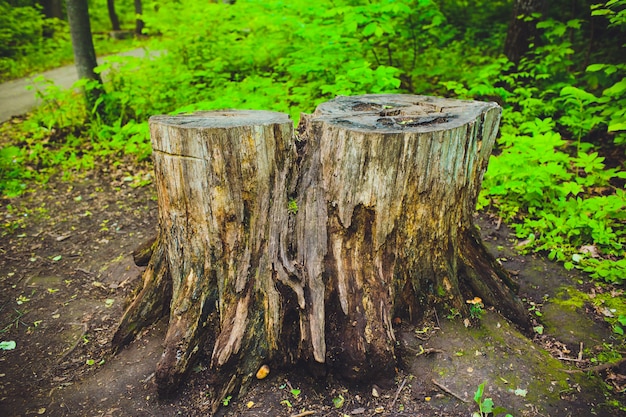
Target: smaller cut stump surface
[(280, 248)]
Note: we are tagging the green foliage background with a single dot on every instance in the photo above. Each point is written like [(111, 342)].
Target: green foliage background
[(564, 103), (30, 42)]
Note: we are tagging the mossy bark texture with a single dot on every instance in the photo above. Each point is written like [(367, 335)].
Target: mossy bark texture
[(280, 247)]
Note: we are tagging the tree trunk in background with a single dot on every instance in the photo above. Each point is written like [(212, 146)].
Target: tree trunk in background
[(139, 24), (275, 250), (53, 8), (84, 52), (115, 21), (521, 31)]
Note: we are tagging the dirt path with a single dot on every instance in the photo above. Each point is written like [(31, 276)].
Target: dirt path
[(16, 99), (66, 271)]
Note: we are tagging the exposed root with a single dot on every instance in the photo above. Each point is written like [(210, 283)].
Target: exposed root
[(448, 391)]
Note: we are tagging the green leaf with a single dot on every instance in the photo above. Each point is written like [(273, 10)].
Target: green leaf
[(614, 127), (498, 410), (487, 406), (616, 89), (479, 393), (601, 12), (7, 345), (338, 401), (595, 67), (369, 29), (579, 94), (520, 392)]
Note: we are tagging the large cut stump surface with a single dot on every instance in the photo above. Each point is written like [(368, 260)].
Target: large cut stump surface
[(281, 249)]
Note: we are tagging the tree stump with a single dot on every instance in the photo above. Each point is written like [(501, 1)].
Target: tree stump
[(280, 249)]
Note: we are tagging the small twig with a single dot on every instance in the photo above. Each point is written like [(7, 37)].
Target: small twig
[(499, 223), (428, 351), (580, 352), (447, 391), (68, 409), (423, 351), (437, 318), (289, 385), (563, 358), (304, 413), (597, 368), (397, 393)]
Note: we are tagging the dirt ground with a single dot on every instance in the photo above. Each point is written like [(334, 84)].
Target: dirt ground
[(66, 272)]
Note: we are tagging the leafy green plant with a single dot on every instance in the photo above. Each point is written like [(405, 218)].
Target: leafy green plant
[(614, 10), (577, 117), (619, 328), (608, 354), (568, 205), (11, 175), (611, 104), (453, 314), (339, 401), (292, 207), (485, 405), (551, 197), (476, 308)]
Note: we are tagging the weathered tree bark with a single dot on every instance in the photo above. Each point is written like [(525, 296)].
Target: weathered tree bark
[(52, 8), (84, 52), (521, 30), (115, 21), (280, 250), (139, 23), (143, 253)]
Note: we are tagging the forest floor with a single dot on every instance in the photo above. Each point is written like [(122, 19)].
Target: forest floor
[(66, 273)]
